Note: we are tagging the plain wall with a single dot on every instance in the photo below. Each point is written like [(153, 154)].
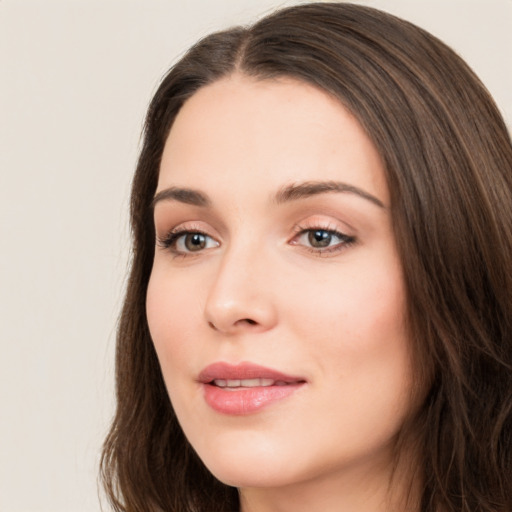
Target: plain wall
[(75, 79)]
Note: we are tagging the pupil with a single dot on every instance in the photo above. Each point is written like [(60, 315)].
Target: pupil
[(320, 238), (195, 241)]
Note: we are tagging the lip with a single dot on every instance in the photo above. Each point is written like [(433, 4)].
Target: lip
[(240, 371), (245, 400)]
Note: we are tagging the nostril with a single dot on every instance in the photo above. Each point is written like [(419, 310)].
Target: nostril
[(243, 320)]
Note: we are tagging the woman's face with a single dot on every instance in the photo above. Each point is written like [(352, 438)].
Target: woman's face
[(276, 299)]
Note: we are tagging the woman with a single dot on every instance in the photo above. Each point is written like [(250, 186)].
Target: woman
[(318, 315)]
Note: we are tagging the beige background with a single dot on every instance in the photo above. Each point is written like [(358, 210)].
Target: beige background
[(75, 78)]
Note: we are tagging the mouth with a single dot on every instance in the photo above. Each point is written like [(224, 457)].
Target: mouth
[(245, 388), (229, 384)]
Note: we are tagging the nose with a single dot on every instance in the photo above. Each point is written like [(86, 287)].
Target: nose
[(241, 294)]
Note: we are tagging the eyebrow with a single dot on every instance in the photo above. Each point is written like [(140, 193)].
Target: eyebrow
[(183, 195), (313, 188), (288, 193)]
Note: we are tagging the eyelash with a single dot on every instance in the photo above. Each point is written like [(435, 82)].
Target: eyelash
[(171, 239)]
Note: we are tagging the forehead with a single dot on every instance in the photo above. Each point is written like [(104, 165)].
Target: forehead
[(241, 131)]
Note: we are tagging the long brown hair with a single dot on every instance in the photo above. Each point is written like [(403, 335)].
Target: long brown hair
[(448, 159)]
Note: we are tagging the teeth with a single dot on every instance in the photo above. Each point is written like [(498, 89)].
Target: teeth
[(246, 383)]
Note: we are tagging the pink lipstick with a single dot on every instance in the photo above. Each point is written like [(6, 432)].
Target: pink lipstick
[(246, 387)]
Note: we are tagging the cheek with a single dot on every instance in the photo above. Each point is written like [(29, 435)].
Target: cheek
[(354, 327), (170, 319), (358, 307)]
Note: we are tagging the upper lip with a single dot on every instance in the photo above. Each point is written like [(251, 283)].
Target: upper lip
[(227, 371)]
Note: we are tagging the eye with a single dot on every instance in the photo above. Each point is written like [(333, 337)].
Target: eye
[(322, 240), (187, 242)]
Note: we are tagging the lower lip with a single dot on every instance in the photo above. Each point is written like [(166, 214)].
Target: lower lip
[(238, 401)]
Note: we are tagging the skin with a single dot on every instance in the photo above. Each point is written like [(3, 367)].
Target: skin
[(259, 291)]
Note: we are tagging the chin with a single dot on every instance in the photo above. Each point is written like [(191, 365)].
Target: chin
[(250, 464), (252, 459), (246, 477), (241, 476)]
